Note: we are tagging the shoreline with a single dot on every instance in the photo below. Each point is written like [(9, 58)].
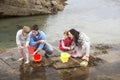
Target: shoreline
[(100, 46), (106, 45), (102, 62)]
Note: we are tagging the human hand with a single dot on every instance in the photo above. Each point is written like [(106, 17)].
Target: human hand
[(34, 53), (20, 47), (40, 41), (85, 58), (68, 48), (71, 47)]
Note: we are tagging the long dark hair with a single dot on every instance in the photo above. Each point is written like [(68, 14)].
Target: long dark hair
[(75, 33)]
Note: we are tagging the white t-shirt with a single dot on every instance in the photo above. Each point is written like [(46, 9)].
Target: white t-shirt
[(22, 39), (84, 37)]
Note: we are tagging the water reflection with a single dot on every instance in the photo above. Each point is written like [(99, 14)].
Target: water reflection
[(94, 17), (75, 74), (32, 72), (35, 72), (8, 28)]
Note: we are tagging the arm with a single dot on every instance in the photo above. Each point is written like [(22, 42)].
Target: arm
[(40, 47), (42, 38), (72, 45), (41, 42), (18, 39), (63, 45), (84, 37), (31, 38), (36, 51), (28, 40)]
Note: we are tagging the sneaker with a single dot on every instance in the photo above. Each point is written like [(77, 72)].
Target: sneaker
[(20, 59), (46, 55)]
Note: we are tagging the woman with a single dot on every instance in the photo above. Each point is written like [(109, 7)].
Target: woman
[(81, 44)]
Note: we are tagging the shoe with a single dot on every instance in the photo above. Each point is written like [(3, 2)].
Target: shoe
[(46, 55), (20, 59)]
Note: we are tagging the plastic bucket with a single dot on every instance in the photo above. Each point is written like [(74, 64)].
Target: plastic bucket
[(31, 49), (37, 58), (64, 57)]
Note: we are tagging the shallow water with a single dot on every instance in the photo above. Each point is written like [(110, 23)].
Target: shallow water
[(9, 27), (103, 66), (99, 19)]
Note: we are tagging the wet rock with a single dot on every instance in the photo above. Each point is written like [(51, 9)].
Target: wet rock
[(94, 61), (101, 47), (30, 7), (75, 63), (67, 65), (100, 67), (74, 74)]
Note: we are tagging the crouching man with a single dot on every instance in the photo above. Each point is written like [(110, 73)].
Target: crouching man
[(38, 40)]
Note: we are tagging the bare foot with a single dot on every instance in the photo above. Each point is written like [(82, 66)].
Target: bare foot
[(85, 58), (27, 62), (20, 59)]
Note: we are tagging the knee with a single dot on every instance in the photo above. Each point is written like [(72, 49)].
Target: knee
[(31, 44), (50, 51)]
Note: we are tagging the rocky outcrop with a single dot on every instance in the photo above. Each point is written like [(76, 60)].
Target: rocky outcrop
[(30, 7)]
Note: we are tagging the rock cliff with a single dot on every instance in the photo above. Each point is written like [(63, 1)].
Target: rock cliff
[(30, 7)]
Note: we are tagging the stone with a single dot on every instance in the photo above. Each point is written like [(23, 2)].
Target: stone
[(30, 7)]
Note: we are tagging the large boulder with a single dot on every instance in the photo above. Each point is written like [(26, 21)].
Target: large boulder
[(30, 7)]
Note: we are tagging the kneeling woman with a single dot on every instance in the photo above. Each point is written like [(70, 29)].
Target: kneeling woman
[(81, 44)]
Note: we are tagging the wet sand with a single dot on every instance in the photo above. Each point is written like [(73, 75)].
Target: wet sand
[(104, 65)]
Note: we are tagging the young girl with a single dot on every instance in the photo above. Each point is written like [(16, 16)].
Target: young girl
[(22, 41), (81, 44), (65, 43)]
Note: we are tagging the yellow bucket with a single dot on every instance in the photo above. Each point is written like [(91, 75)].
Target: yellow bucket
[(64, 57)]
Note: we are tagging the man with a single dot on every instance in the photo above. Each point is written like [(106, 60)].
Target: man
[(22, 41), (38, 40)]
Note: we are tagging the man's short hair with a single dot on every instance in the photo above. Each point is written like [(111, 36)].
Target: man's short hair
[(26, 29), (35, 27)]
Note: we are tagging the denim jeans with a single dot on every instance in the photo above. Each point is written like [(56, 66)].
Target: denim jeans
[(48, 48)]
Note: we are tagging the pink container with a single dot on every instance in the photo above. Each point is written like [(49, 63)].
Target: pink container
[(31, 49)]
